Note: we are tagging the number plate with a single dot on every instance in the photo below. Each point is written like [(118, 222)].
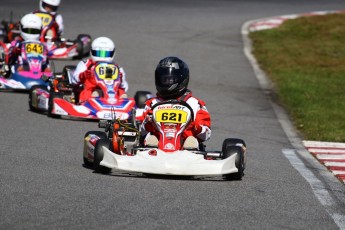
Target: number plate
[(171, 116), (101, 71), (34, 48), (46, 18)]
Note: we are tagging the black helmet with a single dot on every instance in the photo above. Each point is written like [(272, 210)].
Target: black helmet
[(172, 77)]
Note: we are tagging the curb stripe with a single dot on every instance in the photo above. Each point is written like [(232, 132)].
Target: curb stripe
[(340, 164), (330, 154), (332, 160)]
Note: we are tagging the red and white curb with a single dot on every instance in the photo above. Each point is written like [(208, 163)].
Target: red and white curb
[(269, 23), (330, 154)]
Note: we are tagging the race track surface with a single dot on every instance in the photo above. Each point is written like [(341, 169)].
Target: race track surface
[(42, 178)]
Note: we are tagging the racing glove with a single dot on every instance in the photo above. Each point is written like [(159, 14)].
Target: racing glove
[(87, 74), (149, 115), (197, 129)]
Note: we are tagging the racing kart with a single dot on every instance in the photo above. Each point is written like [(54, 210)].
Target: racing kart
[(58, 48), (23, 77), (120, 147), (61, 98)]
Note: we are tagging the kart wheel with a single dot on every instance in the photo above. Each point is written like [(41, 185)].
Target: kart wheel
[(79, 50), (101, 135), (31, 94), (98, 156), (53, 95), (83, 50), (232, 146), (233, 141), (140, 98)]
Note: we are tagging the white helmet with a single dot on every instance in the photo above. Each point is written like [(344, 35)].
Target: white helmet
[(30, 27), (102, 49), (52, 4)]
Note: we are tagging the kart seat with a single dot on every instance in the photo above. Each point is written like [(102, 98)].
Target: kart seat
[(191, 143), (151, 140), (97, 93)]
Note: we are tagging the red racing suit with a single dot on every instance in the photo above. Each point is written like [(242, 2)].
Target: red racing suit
[(199, 128), (84, 75)]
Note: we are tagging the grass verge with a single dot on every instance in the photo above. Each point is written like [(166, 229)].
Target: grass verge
[(305, 59)]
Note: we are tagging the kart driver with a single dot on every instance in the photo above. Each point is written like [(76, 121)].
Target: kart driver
[(102, 50), (30, 30), (50, 7), (171, 79)]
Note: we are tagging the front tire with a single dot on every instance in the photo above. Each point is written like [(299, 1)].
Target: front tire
[(233, 146), (53, 95), (98, 156), (31, 93), (101, 135)]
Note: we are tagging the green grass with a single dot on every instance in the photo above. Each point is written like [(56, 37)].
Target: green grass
[(305, 59)]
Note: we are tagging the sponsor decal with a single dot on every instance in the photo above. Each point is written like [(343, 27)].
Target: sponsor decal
[(164, 107), (169, 130), (109, 82), (169, 146), (108, 115), (59, 110), (170, 135)]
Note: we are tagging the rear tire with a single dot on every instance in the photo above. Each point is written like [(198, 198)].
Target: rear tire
[(101, 135), (98, 156), (232, 146), (83, 50), (140, 98)]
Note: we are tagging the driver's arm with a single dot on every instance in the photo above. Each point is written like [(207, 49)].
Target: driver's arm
[(81, 67), (201, 126)]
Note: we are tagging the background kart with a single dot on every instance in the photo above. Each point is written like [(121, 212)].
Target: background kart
[(61, 98), (119, 148), (30, 72), (58, 48)]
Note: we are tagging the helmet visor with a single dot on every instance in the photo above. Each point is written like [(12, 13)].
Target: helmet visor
[(102, 53), (31, 31), (50, 7), (168, 80)]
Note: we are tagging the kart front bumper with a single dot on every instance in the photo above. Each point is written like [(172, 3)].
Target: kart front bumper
[(182, 163)]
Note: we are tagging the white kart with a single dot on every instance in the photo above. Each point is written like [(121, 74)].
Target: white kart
[(119, 148)]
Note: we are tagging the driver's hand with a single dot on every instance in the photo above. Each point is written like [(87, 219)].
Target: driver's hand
[(197, 128), (149, 115), (87, 74)]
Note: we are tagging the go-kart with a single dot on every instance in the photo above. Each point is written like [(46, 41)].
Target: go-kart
[(62, 97), (58, 48), (120, 147), (23, 77)]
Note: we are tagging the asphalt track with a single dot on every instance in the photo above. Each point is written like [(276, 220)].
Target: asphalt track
[(43, 183)]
